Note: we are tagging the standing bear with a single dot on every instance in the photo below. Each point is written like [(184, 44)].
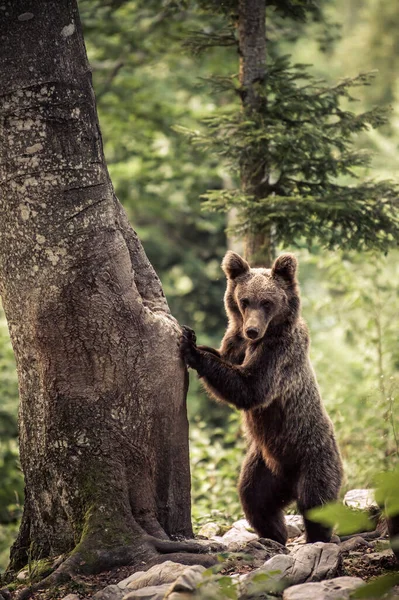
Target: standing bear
[(263, 368)]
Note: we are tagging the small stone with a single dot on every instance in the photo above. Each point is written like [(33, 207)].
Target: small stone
[(152, 592), (71, 597), (209, 529), (188, 580), (239, 533), (339, 588), (296, 521), (158, 574), (360, 499), (27, 16), (111, 592), (22, 575), (293, 531)]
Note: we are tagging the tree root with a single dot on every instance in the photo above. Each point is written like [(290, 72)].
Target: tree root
[(151, 551)]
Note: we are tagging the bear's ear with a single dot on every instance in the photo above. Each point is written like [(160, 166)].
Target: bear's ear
[(285, 266), (233, 265)]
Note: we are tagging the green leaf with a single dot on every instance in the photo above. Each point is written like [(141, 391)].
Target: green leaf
[(377, 588), (343, 519)]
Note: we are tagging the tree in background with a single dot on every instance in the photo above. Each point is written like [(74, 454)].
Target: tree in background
[(103, 443), (293, 144)]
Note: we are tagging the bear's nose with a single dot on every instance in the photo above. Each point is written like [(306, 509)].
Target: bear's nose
[(252, 332)]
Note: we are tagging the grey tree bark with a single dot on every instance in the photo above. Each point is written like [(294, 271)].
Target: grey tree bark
[(259, 249), (103, 424)]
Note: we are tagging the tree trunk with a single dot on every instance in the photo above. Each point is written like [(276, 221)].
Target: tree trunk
[(103, 424), (259, 249)]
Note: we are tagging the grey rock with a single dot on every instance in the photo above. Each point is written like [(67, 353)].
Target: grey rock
[(314, 562), (273, 547), (188, 580), (283, 563), (339, 588), (251, 586), (125, 582), (360, 499), (293, 531), (239, 533), (71, 597), (353, 544), (208, 530), (158, 574), (152, 592), (258, 551), (376, 557), (295, 521), (111, 592)]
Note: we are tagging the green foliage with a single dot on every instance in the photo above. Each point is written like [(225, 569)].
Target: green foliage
[(11, 488), (216, 458), (387, 491), (378, 587), (343, 519), (301, 142)]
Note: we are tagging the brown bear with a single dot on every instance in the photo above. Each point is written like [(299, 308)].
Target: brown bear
[(263, 368)]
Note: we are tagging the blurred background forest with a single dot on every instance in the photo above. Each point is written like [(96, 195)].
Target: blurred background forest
[(150, 85)]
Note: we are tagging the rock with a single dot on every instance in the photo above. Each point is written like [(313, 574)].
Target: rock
[(209, 530), (375, 558), (361, 499), (295, 521), (111, 592), (187, 581), (22, 575), (158, 574), (124, 583), (258, 551), (293, 531), (250, 587), (273, 547), (314, 562), (71, 597), (152, 592), (353, 544), (339, 588), (239, 533)]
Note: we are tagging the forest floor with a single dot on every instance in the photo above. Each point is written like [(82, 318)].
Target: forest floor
[(368, 564)]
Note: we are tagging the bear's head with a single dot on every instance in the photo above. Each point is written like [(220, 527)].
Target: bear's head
[(258, 299)]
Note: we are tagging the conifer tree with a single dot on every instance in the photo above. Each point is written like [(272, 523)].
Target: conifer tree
[(292, 146)]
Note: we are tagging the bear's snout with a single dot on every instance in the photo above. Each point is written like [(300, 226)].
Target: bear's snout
[(252, 333)]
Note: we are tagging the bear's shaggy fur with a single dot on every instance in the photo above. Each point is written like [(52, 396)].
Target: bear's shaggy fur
[(263, 368)]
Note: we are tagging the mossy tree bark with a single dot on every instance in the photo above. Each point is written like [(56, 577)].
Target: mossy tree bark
[(103, 424), (259, 250)]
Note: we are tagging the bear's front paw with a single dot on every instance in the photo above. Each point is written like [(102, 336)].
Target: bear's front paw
[(188, 348)]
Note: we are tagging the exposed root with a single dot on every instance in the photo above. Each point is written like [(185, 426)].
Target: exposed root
[(367, 535), (149, 552)]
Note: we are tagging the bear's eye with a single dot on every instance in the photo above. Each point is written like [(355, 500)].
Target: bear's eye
[(266, 304), (244, 302)]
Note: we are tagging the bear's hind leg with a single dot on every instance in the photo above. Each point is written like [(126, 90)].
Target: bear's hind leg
[(313, 492), (263, 496)]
